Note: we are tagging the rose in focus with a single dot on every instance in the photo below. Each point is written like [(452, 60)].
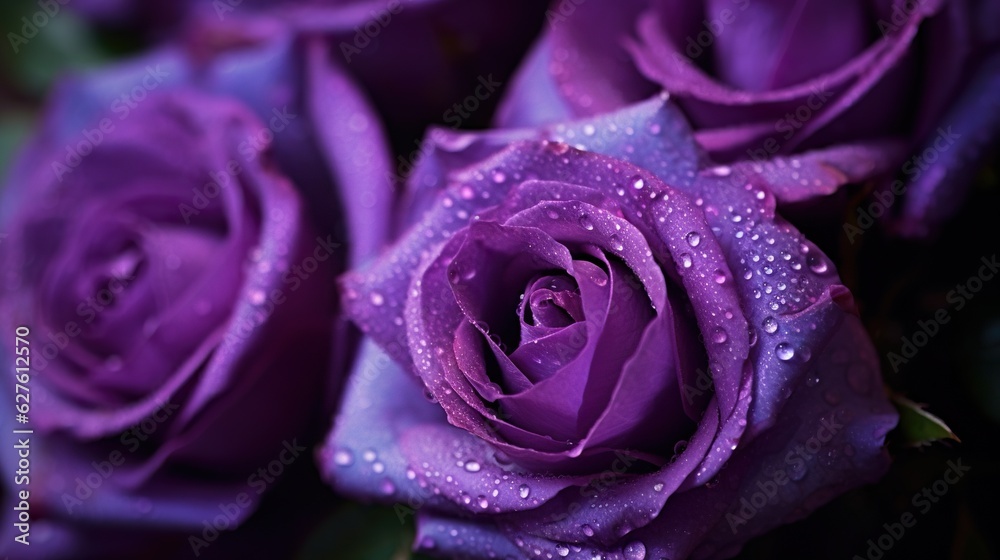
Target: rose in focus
[(765, 78), (622, 346), (173, 235)]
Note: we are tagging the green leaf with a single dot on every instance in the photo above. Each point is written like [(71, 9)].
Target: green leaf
[(64, 44), (359, 532), (14, 128), (917, 426)]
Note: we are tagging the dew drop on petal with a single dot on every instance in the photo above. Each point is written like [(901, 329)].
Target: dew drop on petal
[(343, 458), (719, 335), (680, 447), (634, 551), (816, 264), (784, 351), (616, 243), (693, 239), (387, 487)]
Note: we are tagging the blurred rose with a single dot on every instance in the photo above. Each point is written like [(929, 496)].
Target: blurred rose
[(172, 236), (621, 343), (415, 58), (759, 78)]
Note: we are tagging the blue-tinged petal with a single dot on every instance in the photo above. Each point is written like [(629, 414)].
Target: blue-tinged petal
[(945, 167)]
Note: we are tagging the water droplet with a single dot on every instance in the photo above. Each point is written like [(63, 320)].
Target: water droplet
[(589, 130), (719, 335), (588, 530), (770, 325), (658, 487), (637, 182), (562, 550), (634, 551), (378, 467), (805, 353), (680, 447), (472, 466), (816, 264), (693, 239), (343, 458), (524, 491), (387, 487), (686, 261), (616, 242), (481, 500), (784, 351), (552, 214), (499, 177), (720, 277), (586, 223), (376, 298)]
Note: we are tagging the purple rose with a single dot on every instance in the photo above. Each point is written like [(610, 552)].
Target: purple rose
[(758, 79), (415, 58), (627, 353), (172, 237)]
